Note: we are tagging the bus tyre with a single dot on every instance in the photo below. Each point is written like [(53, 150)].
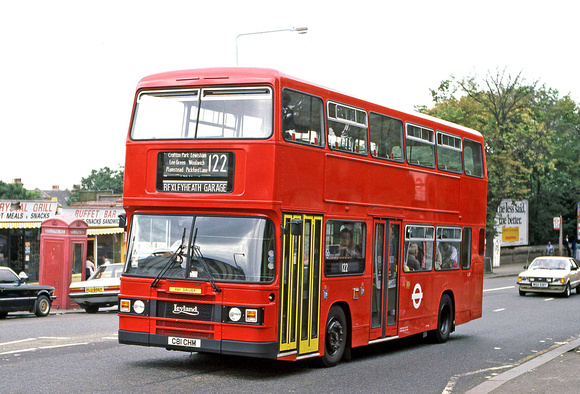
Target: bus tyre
[(42, 306), (444, 320), (335, 337)]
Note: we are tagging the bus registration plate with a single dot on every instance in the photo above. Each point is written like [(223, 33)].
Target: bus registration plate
[(186, 342)]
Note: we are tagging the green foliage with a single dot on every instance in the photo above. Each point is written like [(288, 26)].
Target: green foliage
[(103, 179), (532, 138), (15, 191)]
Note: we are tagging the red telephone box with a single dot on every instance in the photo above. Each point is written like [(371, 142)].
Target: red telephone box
[(63, 245)]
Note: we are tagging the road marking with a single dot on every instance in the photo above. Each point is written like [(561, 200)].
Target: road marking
[(19, 351), (451, 384), (549, 299), (19, 341), (499, 288), (69, 344), (499, 310)]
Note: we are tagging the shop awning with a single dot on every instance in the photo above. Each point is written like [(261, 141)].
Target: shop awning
[(20, 224), (105, 231)]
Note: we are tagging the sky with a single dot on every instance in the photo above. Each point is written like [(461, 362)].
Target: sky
[(70, 68)]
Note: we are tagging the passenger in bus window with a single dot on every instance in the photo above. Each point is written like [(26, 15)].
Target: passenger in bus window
[(412, 264), (447, 255), (347, 247)]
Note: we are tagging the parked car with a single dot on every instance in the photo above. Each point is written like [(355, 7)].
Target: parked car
[(17, 295), (100, 290), (550, 274)]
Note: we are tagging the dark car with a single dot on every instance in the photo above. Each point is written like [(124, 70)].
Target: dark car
[(17, 295)]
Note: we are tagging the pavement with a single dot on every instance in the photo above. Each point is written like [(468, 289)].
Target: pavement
[(555, 370)]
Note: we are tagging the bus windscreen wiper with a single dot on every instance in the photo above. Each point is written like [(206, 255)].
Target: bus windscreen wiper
[(178, 252), (198, 256)]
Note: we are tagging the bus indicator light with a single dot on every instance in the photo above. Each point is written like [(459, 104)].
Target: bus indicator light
[(125, 306), (251, 315)]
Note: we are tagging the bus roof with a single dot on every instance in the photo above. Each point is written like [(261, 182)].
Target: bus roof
[(241, 75)]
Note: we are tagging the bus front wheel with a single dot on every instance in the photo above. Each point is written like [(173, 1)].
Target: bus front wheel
[(336, 334)]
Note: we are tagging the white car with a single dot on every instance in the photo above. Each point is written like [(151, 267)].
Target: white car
[(100, 290), (549, 274)]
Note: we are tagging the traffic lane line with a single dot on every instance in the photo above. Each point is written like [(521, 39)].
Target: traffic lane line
[(499, 288)]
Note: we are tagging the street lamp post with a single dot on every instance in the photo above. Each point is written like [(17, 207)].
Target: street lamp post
[(300, 30)]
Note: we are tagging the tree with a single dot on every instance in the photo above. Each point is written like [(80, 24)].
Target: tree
[(15, 191), (532, 139), (103, 179)]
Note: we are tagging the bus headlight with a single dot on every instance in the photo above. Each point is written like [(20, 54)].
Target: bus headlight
[(139, 306), (235, 314)]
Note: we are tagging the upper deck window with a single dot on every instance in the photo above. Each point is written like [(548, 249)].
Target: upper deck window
[(347, 128), (216, 113), (386, 136), (449, 153), (420, 146), (302, 118), (472, 158)]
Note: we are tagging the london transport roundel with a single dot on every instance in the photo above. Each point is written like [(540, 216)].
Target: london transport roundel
[(417, 296)]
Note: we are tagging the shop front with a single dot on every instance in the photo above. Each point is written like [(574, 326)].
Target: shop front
[(106, 240), (20, 234)]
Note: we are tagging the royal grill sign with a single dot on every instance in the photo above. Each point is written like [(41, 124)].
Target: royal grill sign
[(26, 211), (195, 172)]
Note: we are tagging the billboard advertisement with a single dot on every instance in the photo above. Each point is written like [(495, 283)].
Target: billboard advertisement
[(512, 222)]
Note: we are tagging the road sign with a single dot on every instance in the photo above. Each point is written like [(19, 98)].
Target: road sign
[(557, 222)]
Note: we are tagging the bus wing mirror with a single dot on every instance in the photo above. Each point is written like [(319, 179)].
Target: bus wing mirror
[(296, 227), (123, 221)]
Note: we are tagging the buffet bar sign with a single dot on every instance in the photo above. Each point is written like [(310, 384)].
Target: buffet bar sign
[(26, 211), (195, 172), (96, 217), (512, 222)]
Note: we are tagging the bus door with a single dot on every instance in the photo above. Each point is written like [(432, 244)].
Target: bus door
[(300, 284), (385, 277)]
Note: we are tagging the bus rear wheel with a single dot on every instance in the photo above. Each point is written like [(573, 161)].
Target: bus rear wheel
[(444, 320), (336, 334)]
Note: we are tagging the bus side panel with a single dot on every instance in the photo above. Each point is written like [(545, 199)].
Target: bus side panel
[(387, 185), (342, 291), (419, 302)]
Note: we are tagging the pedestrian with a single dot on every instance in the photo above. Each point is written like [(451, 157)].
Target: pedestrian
[(90, 266), (567, 246), (549, 249), (106, 261)]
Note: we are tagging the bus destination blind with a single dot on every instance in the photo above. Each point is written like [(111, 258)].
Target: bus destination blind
[(195, 172)]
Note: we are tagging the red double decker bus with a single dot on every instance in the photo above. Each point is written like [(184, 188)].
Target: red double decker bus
[(271, 217)]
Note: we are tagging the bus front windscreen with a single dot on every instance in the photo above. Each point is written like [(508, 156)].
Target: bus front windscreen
[(213, 248), (216, 113)]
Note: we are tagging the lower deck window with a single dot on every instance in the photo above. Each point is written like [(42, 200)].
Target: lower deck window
[(448, 248), (344, 248), (418, 248)]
